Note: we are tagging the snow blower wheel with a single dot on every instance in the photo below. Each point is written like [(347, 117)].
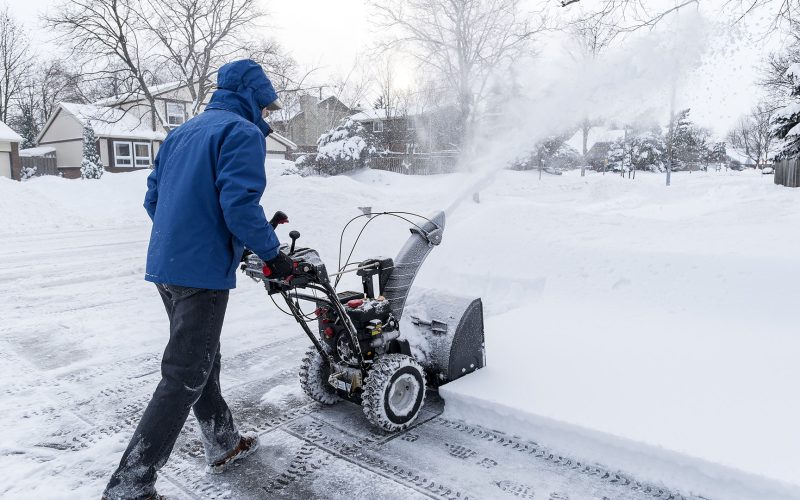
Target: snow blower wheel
[(393, 392), (314, 373), (359, 353)]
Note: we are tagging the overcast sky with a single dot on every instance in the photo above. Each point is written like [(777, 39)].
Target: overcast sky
[(330, 35)]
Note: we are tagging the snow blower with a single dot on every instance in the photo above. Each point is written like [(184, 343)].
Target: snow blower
[(359, 352)]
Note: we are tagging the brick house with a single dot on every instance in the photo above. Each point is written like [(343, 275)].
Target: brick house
[(127, 136), (9, 152)]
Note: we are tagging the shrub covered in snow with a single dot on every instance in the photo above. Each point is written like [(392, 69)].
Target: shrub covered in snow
[(26, 173), (91, 168), (640, 152), (553, 153), (786, 124), (346, 147)]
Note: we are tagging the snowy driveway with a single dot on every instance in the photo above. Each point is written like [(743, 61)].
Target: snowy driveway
[(79, 360)]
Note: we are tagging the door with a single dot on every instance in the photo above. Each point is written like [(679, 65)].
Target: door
[(5, 164)]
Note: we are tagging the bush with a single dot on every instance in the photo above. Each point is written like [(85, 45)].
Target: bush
[(26, 173), (346, 147)]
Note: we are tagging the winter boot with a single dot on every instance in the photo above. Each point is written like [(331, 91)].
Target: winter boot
[(247, 445)]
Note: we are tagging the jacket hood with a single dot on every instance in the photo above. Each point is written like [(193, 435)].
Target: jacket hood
[(244, 88)]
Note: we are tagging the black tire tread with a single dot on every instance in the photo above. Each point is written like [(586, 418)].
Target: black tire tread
[(312, 378), (376, 384)]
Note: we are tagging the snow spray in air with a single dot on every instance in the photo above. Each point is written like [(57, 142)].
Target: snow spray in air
[(632, 79)]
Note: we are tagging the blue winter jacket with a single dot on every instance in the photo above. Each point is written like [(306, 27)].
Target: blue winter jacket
[(203, 194)]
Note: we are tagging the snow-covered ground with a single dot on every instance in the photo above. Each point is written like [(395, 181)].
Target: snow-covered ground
[(651, 329)]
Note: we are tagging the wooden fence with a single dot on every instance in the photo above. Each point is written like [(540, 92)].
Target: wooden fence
[(45, 165), (787, 173)]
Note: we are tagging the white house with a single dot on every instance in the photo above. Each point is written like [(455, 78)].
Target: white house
[(128, 137), (9, 152)]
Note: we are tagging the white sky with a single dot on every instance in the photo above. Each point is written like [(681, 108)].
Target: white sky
[(330, 35)]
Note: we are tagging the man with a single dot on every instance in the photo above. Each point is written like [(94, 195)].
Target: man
[(203, 197)]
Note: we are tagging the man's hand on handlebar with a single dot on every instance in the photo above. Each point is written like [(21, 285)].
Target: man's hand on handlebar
[(280, 267)]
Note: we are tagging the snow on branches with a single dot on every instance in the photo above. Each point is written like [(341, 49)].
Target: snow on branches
[(786, 122), (346, 147)]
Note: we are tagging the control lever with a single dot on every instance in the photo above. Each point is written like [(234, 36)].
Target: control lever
[(293, 235), (278, 218)]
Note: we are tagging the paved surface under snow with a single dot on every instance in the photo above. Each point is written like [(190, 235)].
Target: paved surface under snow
[(71, 402)]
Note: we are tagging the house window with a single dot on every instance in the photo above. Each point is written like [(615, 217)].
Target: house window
[(132, 154), (377, 126), (141, 154), (176, 113), (123, 154), (410, 124)]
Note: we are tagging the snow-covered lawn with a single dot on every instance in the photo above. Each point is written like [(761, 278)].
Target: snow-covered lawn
[(651, 329)]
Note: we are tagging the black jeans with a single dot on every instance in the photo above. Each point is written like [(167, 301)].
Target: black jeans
[(189, 379)]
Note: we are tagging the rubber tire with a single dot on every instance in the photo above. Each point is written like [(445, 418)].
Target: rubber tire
[(314, 372), (378, 384)]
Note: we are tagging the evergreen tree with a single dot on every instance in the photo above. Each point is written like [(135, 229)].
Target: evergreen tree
[(683, 142), (648, 152), (26, 124), (784, 124), (91, 168)]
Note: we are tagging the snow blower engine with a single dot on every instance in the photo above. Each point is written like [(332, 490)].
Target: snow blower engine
[(364, 350)]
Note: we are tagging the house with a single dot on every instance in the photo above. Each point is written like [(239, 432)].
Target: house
[(128, 136), (308, 117), (417, 131), (598, 142), (9, 152), (125, 143)]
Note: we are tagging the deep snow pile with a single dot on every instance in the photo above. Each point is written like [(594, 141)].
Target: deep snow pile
[(626, 323)]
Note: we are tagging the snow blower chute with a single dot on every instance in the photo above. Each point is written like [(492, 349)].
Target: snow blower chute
[(361, 351)]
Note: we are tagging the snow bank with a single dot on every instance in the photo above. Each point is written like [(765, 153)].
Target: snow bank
[(50, 202), (633, 313)]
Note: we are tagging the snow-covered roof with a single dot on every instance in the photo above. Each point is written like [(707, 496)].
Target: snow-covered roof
[(738, 156), (111, 122), (40, 151), (370, 114), (382, 114), (138, 96), (596, 135), (6, 134)]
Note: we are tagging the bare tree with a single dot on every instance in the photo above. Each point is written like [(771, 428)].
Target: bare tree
[(465, 42), (14, 61), (774, 72), (752, 135), (109, 32), (638, 14), (45, 84), (196, 37), (55, 82), (592, 35), (353, 88), (183, 40)]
